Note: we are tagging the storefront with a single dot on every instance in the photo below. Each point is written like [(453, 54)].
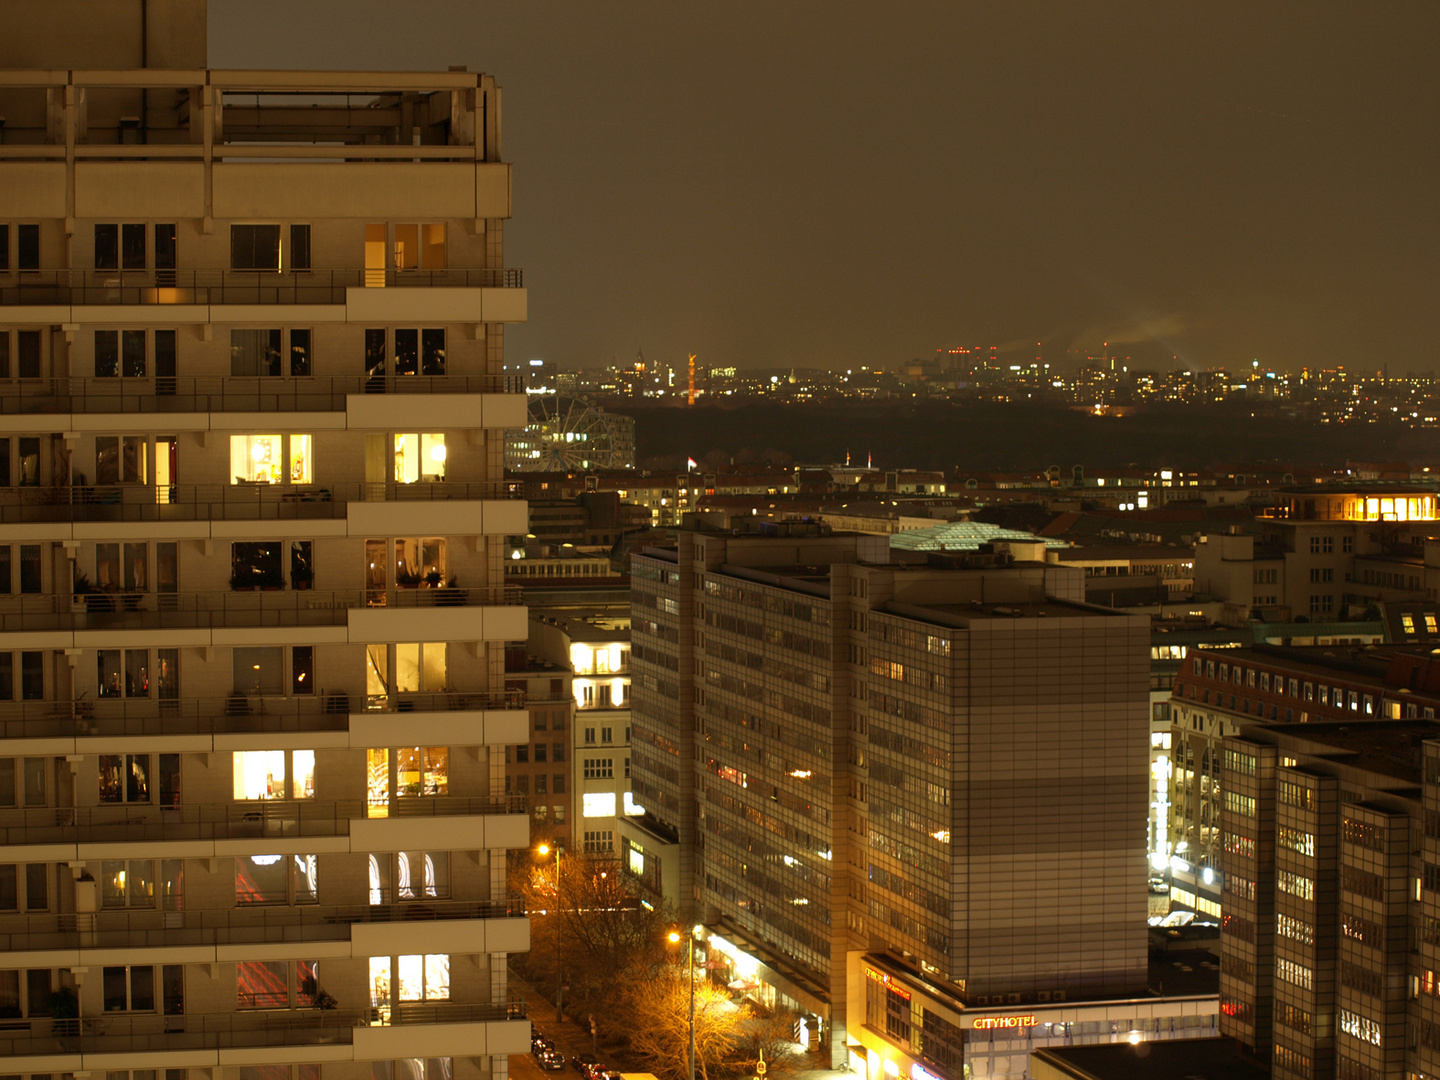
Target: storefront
[(903, 1025)]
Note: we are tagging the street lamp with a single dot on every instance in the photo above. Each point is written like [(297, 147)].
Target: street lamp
[(675, 940), (542, 850)]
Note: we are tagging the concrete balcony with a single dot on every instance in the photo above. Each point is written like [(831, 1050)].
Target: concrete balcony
[(279, 1037), (213, 287), (249, 722), (461, 924), (177, 398), (249, 616), (109, 504), (280, 826)]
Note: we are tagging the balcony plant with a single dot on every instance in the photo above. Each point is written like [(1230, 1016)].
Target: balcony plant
[(65, 1012), (451, 595)]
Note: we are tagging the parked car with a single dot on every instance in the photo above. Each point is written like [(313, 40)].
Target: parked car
[(581, 1061)]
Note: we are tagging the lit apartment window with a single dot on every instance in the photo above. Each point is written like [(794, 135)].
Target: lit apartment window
[(420, 247), (270, 459), (420, 457), (274, 774), (421, 977), (139, 883)]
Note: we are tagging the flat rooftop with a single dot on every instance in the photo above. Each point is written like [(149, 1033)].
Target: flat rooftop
[(1385, 747), (1192, 1059)]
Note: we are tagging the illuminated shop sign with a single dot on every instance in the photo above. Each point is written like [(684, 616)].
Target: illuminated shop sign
[(886, 981), (990, 1023)]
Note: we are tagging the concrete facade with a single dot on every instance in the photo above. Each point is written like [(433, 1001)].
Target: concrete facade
[(916, 755), (252, 522)]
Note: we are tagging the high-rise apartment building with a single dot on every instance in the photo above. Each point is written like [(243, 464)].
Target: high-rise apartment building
[(941, 764), (251, 531)]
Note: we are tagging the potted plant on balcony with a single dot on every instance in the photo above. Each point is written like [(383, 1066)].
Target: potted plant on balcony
[(65, 1012), (451, 595), (301, 576)]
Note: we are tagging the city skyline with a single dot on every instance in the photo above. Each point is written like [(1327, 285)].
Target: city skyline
[(770, 190)]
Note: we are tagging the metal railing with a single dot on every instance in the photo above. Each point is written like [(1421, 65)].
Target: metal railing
[(268, 607), (145, 822), (140, 1033), (330, 710), (122, 928), (228, 393), (228, 502), (222, 286)]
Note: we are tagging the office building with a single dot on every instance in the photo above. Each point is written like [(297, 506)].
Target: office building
[(942, 764), (1330, 955), (251, 540)]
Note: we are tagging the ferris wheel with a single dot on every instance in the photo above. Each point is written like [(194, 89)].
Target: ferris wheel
[(567, 433)]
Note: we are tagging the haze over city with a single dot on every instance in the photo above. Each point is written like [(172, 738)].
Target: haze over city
[(850, 183)]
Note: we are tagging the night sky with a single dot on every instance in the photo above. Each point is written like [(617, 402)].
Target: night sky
[(841, 183)]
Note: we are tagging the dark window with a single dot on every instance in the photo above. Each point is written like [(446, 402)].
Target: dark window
[(256, 565), (374, 353), (165, 247), (4, 347), (5, 582), (7, 693), (4, 247), (255, 247), (302, 669), (299, 247), (407, 350), (164, 361), (7, 781), (27, 354), (254, 352), (37, 893), (432, 360), (107, 247), (9, 888), (132, 247), (170, 780), (107, 354), (28, 246), (30, 562), (29, 462), (299, 352), (132, 353), (38, 982), (4, 460), (34, 781)]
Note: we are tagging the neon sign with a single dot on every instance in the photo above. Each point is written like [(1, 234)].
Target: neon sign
[(990, 1023), (886, 981)]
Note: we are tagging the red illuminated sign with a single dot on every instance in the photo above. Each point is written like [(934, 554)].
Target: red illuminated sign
[(887, 982)]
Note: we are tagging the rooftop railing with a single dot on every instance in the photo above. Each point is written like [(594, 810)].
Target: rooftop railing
[(229, 393), (221, 286), (148, 823), (227, 502), (141, 1033), (123, 928), (329, 710), (263, 607)]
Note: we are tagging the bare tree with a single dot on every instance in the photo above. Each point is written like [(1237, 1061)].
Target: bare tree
[(657, 1011), (593, 932)]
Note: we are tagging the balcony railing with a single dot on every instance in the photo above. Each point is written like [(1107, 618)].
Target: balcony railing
[(218, 286), (240, 713), (238, 608), (227, 502), (229, 393), (126, 1033), (122, 928), (145, 822)]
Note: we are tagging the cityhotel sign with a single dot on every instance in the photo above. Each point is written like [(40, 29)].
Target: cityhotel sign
[(991, 1023)]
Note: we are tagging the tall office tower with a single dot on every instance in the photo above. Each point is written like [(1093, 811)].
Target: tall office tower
[(1330, 938), (941, 764), (252, 508)]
